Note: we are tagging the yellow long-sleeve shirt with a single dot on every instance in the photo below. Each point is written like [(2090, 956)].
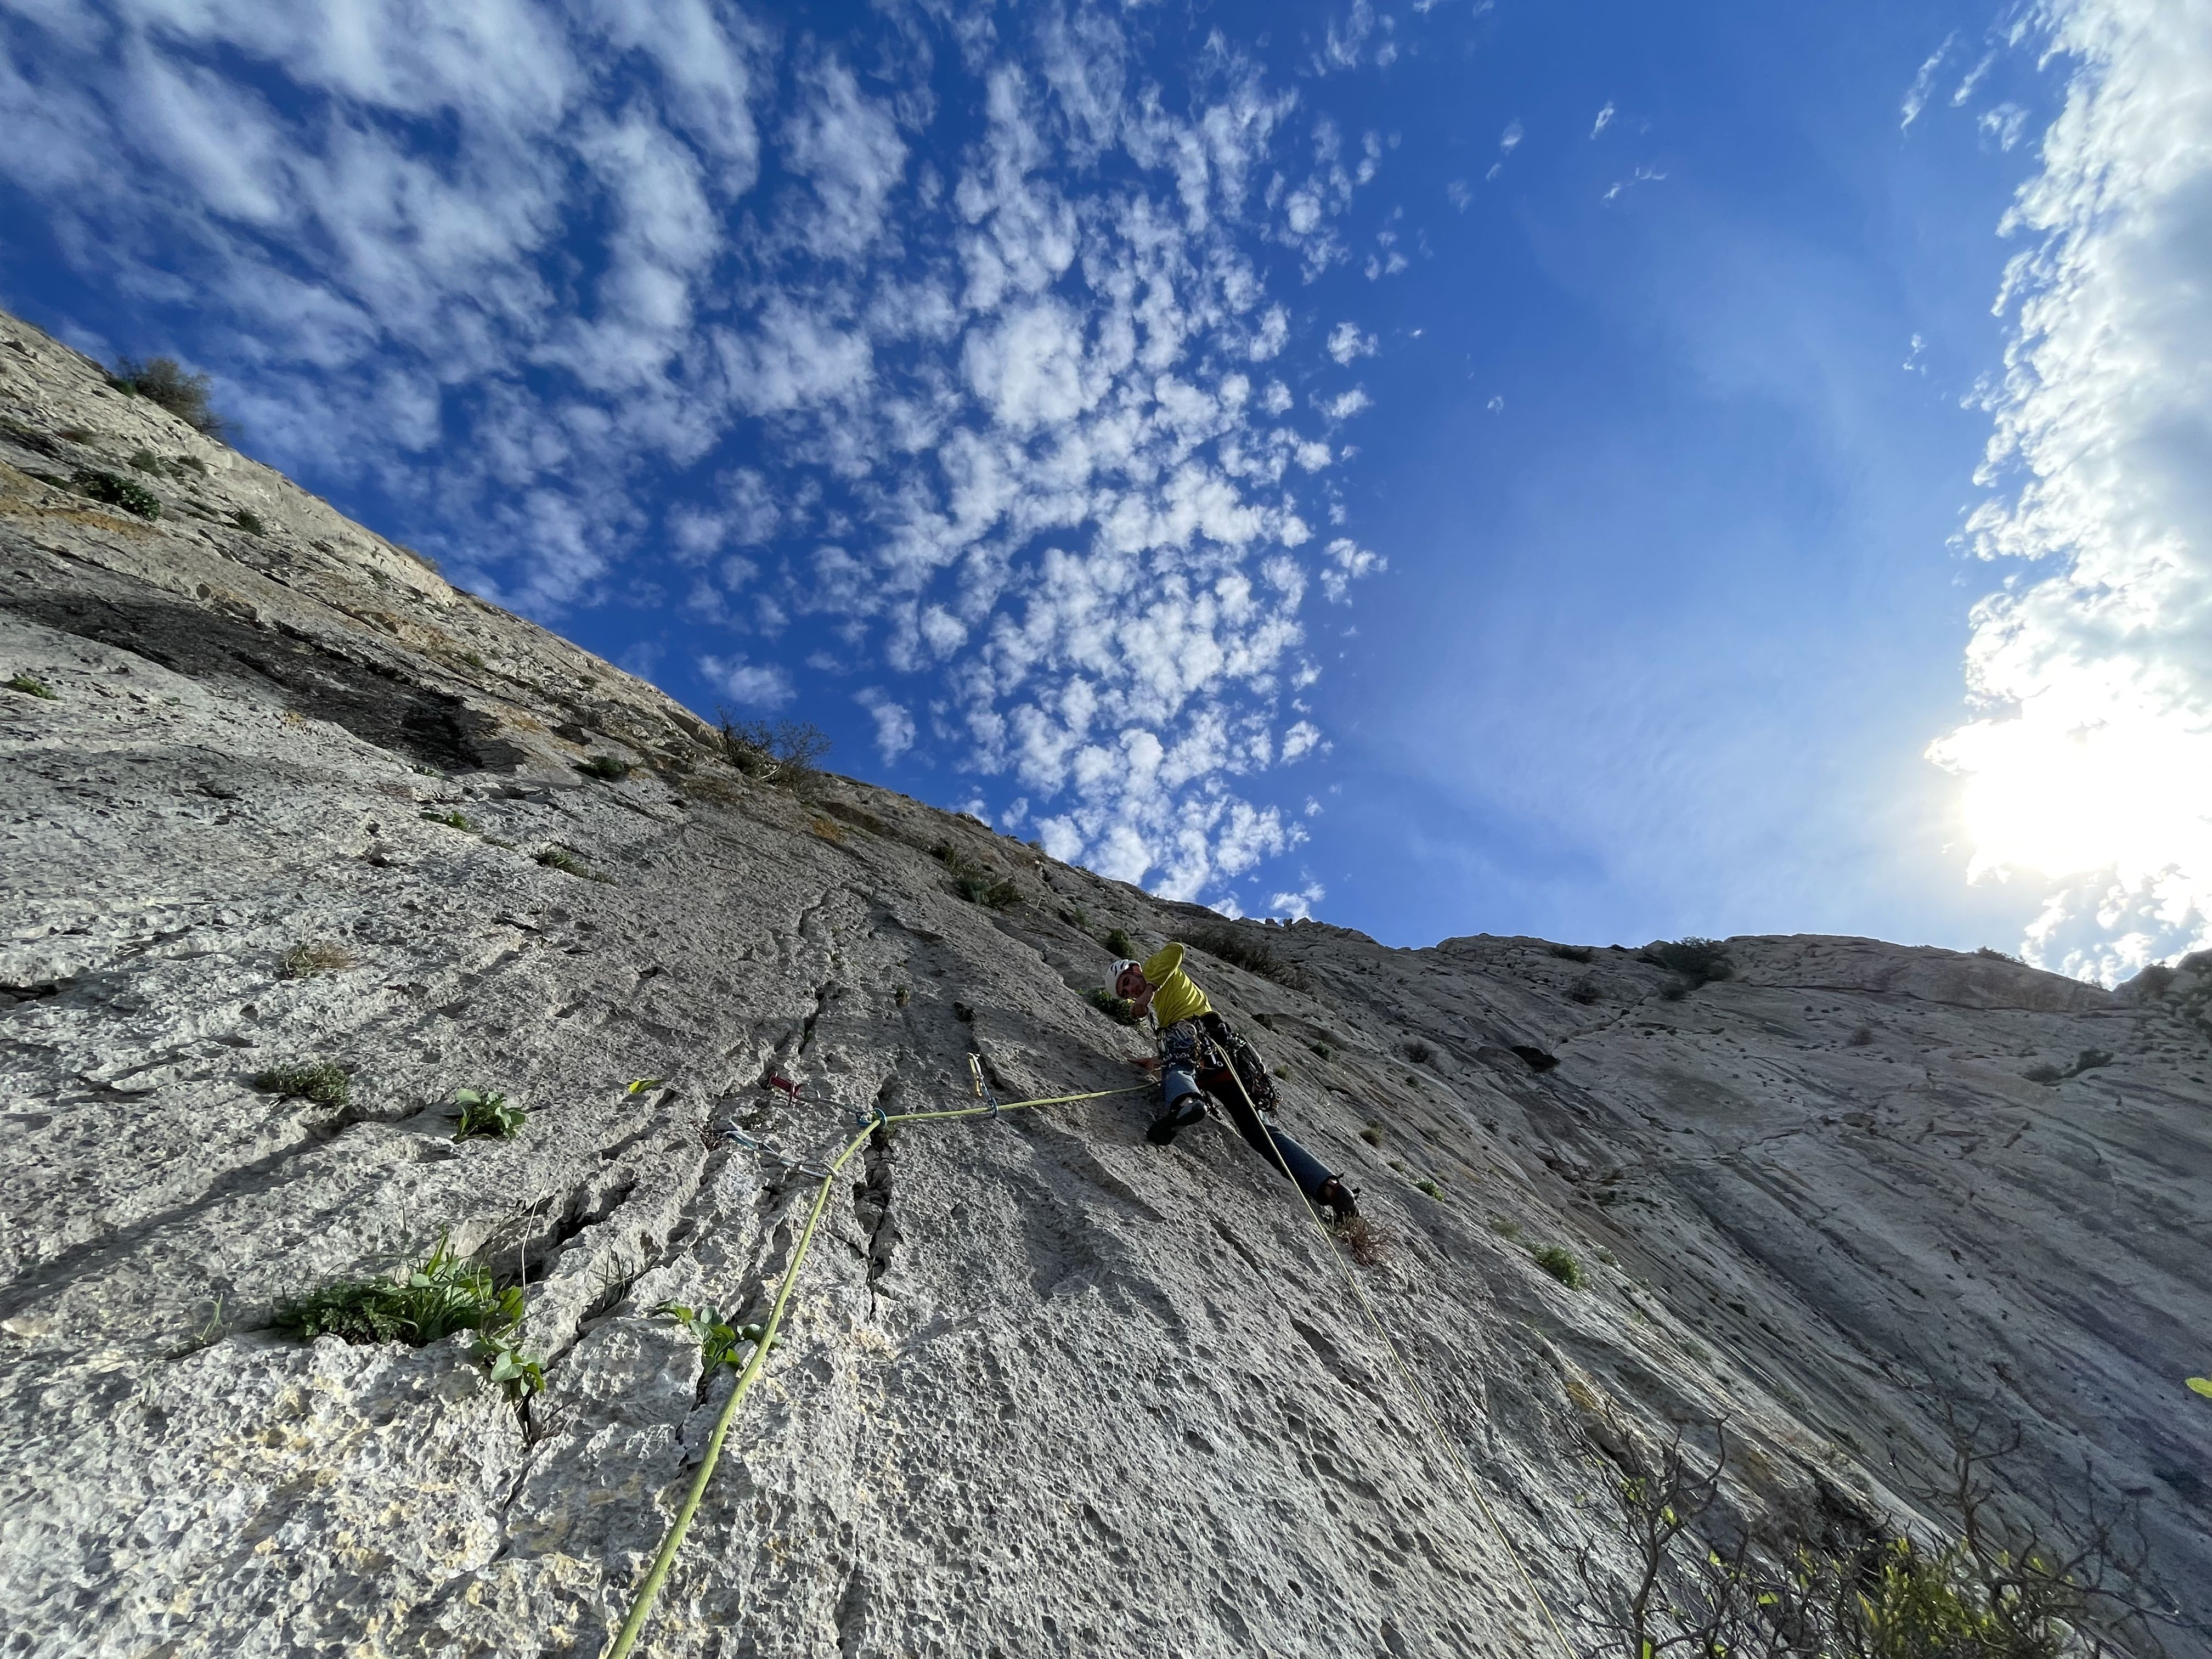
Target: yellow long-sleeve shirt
[(1175, 998)]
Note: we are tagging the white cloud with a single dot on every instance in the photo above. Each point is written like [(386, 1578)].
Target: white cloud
[(1298, 906), (1458, 194), (1509, 139), (1302, 740), (749, 685), (2092, 764), (1346, 342), (1497, 403), (1347, 562), (1916, 95), (1604, 119), (894, 729), (976, 422)]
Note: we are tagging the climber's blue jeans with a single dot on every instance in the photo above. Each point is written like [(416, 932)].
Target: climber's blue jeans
[(1183, 1046)]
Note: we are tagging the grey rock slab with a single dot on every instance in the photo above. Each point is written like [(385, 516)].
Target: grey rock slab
[(1044, 1388)]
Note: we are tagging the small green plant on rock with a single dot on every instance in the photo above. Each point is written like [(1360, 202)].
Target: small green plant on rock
[(250, 521), (453, 820), (1430, 1186), (1694, 962), (1321, 1050), (1118, 941), (112, 489), (32, 686), (1372, 1134), (608, 768), (720, 1343), (557, 857), (1559, 1261), (322, 1082), (520, 1373), (1506, 1228), (485, 1112)]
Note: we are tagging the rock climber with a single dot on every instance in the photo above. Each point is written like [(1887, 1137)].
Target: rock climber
[(1194, 1042)]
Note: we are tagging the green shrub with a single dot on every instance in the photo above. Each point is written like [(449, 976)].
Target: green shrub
[(786, 753), (112, 490), (192, 461), (452, 820), (32, 686), (975, 883), (1992, 954), (1118, 941), (164, 381), (145, 460), (609, 768), (1372, 1134), (1321, 1050), (1120, 1010), (1572, 952), (485, 1112), (1503, 1228), (2154, 981), (1430, 1186), (1697, 961), (1559, 1261), (1420, 1053), (77, 434), (250, 521), (322, 1082)]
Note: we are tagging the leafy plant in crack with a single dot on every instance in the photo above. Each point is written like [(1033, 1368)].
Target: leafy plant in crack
[(1118, 941), (608, 768), (720, 1343), (322, 1082), (250, 521), (486, 1112), (522, 1374), (32, 686), (442, 1295), (453, 820), (1694, 961)]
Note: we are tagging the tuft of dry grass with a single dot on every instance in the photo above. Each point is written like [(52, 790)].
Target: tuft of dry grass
[(313, 957), (828, 829), (1367, 1243)]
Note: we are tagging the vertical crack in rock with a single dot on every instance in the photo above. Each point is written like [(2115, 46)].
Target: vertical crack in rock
[(871, 1196)]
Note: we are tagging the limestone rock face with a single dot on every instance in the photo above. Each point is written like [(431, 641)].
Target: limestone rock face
[(1046, 1389)]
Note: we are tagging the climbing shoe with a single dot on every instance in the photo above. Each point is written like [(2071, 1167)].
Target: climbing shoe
[(1176, 1119), (1340, 1199)]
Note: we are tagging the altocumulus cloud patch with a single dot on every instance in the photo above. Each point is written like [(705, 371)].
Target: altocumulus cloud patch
[(940, 368)]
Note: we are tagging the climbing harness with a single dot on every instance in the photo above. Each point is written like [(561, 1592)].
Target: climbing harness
[(640, 1608)]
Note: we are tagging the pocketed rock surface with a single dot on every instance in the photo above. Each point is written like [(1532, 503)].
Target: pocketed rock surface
[(1046, 1389)]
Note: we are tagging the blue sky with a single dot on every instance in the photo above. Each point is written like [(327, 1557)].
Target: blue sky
[(1587, 470)]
